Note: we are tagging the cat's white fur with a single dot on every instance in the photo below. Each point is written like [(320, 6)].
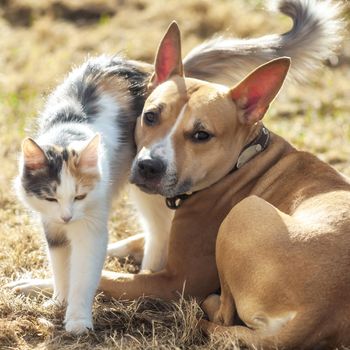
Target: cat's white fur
[(76, 267)]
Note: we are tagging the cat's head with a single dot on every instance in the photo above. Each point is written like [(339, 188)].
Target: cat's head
[(59, 183)]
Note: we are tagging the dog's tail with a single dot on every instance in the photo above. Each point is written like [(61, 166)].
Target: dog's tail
[(316, 33)]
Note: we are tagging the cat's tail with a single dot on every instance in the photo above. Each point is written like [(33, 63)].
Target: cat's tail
[(316, 33)]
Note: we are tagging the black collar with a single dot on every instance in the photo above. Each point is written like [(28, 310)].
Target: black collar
[(249, 151)]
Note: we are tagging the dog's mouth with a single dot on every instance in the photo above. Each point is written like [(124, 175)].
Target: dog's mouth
[(148, 188), (164, 188), (177, 189)]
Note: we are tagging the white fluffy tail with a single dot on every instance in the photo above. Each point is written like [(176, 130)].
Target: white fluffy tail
[(315, 35)]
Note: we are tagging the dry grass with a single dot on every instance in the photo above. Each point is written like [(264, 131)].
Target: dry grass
[(40, 41)]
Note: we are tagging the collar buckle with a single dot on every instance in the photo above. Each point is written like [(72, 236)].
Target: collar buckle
[(253, 148)]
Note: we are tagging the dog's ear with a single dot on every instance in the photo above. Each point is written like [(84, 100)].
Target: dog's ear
[(254, 94), (168, 59)]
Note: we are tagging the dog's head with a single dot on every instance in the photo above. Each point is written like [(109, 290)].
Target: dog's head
[(191, 132)]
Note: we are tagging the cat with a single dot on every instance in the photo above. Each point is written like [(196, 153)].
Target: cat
[(79, 157), (82, 152)]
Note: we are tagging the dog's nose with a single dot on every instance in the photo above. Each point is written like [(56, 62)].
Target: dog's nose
[(151, 168)]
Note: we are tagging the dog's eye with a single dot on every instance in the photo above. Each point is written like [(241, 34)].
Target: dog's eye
[(150, 118), (80, 197), (51, 199), (201, 136)]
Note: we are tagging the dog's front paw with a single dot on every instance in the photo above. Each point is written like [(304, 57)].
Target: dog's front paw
[(78, 326), (30, 286)]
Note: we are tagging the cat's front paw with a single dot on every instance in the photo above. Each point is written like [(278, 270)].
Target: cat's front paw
[(79, 326)]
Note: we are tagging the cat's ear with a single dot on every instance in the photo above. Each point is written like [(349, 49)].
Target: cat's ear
[(168, 59), (88, 158), (254, 94), (33, 156)]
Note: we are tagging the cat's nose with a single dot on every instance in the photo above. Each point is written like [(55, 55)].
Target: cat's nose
[(66, 218)]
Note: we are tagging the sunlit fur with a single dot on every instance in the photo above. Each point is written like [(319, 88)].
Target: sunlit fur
[(69, 187), (121, 94), (78, 159)]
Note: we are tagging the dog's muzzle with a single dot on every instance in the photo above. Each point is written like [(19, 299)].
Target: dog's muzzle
[(153, 174), (148, 174)]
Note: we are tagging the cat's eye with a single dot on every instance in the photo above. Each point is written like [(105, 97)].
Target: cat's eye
[(51, 199), (80, 197)]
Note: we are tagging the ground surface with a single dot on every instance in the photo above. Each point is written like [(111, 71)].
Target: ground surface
[(40, 41)]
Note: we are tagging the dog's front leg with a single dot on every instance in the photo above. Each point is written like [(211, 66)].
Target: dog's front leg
[(156, 221), (164, 285), (88, 251)]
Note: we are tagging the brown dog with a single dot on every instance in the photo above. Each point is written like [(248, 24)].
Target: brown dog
[(194, 136), (280, 217)]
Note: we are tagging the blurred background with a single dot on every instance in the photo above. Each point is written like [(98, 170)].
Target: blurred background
[(40, 41)]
